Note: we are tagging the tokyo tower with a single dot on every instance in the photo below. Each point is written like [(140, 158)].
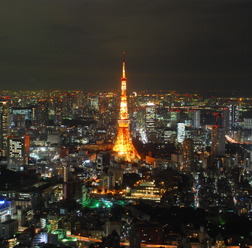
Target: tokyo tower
[(123, 145)]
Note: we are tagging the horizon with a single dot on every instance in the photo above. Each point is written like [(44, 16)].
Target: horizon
[(196, 45)]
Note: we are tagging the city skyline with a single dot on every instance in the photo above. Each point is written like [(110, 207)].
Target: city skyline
[(125, 124), (172, 170), (170, 45)]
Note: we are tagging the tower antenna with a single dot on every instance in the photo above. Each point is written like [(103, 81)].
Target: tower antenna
[(123, 66)]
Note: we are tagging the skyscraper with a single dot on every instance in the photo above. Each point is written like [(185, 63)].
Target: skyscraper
[(218, 141), (123, 145), (233, 114), (18, 151), (187, 151), (150, 116), (196, 119), (180, 132), (42, 112), (4, 125)]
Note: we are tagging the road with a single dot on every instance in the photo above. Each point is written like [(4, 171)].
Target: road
[(87, 239)]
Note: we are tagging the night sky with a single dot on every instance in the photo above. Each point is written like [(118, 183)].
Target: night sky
[(169, 44)]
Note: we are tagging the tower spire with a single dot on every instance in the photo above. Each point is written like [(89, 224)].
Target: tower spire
[(123, 103), (123, 66)]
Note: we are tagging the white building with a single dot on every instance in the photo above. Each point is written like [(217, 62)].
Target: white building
[(181, 132)]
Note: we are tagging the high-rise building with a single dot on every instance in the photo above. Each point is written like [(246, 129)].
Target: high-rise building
[(8, 228), (4, 125), (218, 141), (42, 112), (22, 117), (187, 151), (247, 123), (233, 115), (18, 151), (180, 132), (94, 102), (123, 145), (29, 113), (5, 210), (196, 119), (225, 120), (150, 116)]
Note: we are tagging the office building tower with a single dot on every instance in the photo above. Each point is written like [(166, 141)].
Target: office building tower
[(218, 141), (233, 115), (225, 120), (42, 112), (5, 210), (18, 151), (150, 116), (247, 123), (4, 125), (196, 119), (22, 117), (94, 102), (188, 153), (180, 132)]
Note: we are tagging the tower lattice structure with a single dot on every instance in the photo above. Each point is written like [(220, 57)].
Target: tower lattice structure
[(123, 145)]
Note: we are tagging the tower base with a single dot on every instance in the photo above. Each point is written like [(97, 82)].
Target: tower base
[(124, 146)]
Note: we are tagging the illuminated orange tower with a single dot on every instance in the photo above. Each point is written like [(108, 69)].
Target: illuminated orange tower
[(123, 145)]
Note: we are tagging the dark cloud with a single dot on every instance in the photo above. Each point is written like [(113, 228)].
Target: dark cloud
[(170, 44)]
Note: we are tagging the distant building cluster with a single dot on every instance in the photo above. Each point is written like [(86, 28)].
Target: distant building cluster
[(184, 178)]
